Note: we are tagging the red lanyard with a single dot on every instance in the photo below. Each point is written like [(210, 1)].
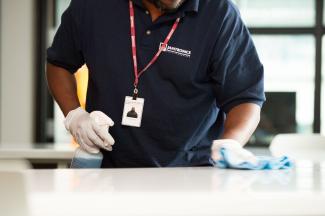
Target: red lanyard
[(138, 73)]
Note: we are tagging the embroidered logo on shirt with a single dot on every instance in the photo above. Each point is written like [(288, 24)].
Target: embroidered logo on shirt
[(177, 51)]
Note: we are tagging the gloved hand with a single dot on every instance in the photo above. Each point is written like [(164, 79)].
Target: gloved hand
[(234, 149), (90, 130)]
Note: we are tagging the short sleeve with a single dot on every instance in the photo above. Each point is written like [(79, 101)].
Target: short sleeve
[(66, 49), (236, 71)]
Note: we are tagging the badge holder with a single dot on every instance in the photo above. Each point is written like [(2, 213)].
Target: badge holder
[(133, 110)]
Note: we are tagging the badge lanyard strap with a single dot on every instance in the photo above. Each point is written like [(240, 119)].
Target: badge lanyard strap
[(137, 74)]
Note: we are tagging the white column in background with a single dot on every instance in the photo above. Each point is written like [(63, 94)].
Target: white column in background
[(17, 71)]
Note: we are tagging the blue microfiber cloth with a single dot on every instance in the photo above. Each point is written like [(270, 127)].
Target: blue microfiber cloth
[(263, 162)]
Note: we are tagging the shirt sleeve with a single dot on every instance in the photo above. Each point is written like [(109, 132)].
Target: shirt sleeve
[(236, 71), (66, 51)]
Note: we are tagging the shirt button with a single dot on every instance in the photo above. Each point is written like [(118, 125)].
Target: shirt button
[(148, 32), (147, 12)]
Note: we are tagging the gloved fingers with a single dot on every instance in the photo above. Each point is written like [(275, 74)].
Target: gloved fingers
[(97, 140), (248, 156), (104, 135), (241, 156), (234, 149), (101, 119), (92, 136), (86, 144)]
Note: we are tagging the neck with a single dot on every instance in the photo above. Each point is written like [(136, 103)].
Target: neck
[(154, 12)]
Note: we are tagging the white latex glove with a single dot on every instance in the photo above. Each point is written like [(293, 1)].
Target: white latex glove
[(90, 130), (235, 150)]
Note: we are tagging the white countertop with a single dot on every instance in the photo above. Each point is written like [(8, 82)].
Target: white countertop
[(176, 191)]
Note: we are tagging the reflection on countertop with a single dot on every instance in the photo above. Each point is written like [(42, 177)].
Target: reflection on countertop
[(306, 176)]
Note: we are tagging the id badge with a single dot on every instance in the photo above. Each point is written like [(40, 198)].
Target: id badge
[(132, 112)]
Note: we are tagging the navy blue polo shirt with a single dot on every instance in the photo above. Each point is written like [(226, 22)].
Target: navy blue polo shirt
[(209, 67)]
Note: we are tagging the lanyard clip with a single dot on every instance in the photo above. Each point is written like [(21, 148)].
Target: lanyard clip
[(135, 93)]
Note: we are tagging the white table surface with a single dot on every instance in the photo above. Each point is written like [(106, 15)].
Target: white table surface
[(176, 191)]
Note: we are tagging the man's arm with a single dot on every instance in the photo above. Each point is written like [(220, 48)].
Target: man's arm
[(63, 87), (241, 122), (89, 130)]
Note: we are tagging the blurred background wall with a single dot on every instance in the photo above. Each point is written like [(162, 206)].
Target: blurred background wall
[(17, 70)]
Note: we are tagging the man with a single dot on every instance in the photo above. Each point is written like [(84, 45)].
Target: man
[(190, 65)]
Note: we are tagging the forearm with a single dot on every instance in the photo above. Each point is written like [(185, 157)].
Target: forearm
[(241, 122), (63, 87)]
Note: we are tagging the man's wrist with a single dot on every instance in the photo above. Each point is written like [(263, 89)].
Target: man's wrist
[(72, 115)]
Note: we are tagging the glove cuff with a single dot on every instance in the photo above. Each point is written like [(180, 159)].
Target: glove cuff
[(72, 115), (217, 144)]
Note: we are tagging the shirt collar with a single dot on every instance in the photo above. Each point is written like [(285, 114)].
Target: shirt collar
[(138, 2), (188, 6)]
